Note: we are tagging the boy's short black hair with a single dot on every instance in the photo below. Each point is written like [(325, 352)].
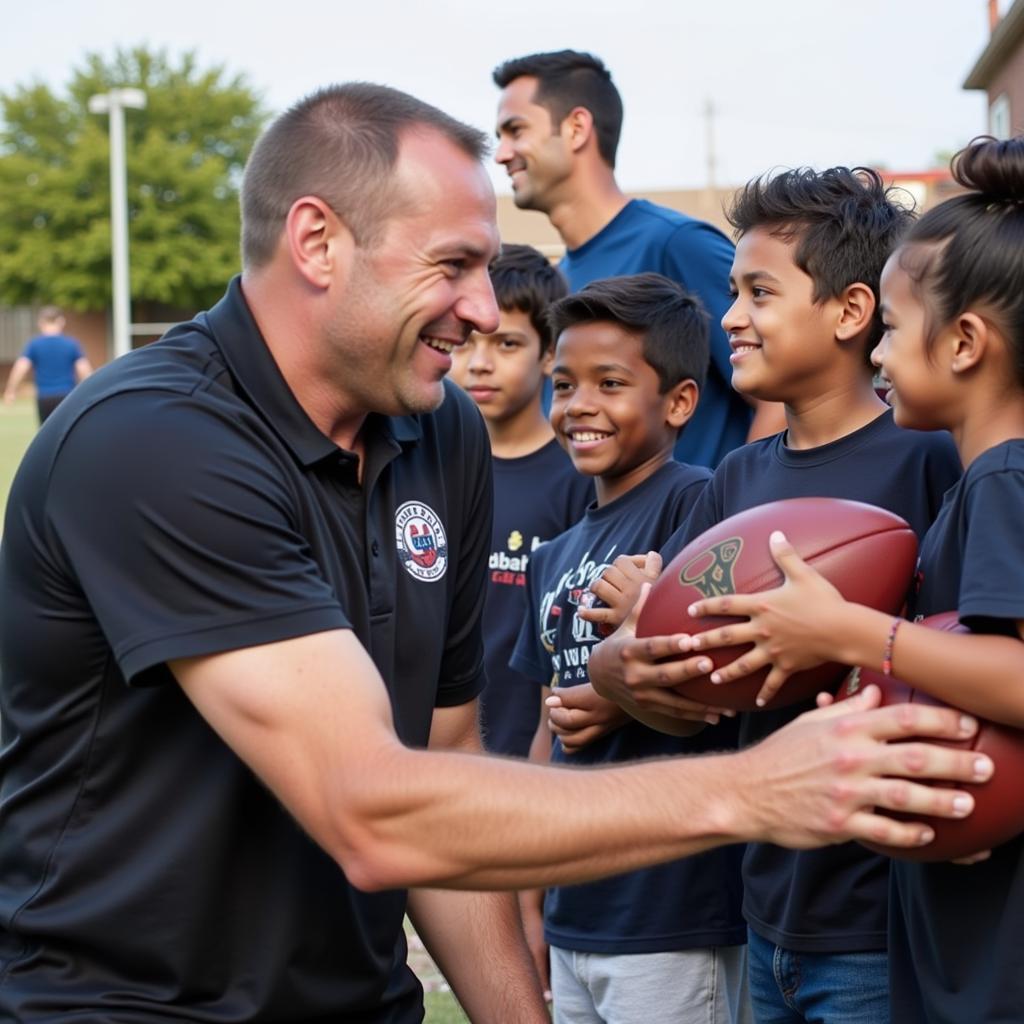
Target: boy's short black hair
[(671, 322), (845, 222), (524, 279), (567, 79)]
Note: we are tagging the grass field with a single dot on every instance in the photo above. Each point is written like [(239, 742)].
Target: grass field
[(441, 1006), (442, 1009), (17, 428)]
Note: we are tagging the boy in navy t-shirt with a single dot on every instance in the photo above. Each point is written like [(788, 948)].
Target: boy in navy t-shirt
[(665, 943), (808, 261), (537, 492)]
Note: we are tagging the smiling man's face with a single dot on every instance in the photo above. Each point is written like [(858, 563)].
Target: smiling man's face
[(531, 148)]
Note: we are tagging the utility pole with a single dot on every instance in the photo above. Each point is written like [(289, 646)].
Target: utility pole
[(709, 141), (114, 103)]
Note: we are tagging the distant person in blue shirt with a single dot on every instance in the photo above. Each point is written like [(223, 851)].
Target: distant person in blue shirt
[(56, 358), (559, 121)]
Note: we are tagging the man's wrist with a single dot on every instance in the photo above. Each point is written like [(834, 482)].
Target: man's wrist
[(723, 810)]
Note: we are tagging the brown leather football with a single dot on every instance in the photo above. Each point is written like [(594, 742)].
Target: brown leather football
[(998, 813), (866, 552)]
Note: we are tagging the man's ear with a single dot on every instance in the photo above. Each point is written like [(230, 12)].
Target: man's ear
[(578, 127), (317, 239), (969, 336), (856, 311), (681, 402)]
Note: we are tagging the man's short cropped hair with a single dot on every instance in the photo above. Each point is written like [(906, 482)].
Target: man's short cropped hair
[(568, 79), (845, 224), (50, 314), (524, 280), (671, 323), (341, 144)]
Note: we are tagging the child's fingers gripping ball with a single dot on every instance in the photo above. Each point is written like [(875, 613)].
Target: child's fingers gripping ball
[(867, 553)]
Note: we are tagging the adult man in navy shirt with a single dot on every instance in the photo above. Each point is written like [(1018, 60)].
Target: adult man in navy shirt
[(241, 581), (559, 121)]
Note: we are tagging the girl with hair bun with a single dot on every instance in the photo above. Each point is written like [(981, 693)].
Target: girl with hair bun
[(953, 357)]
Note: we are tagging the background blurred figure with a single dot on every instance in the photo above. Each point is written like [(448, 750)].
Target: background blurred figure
[(56, 358)]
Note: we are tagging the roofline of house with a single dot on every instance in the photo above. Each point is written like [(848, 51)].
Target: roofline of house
[(1000, 46)]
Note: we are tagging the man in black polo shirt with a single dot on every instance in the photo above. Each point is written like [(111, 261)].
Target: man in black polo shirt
[(241, 581)]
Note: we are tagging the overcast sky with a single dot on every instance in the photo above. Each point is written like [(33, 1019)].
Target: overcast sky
[(815, 82)]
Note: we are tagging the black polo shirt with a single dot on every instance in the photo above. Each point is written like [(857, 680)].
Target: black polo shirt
[(181, 503)]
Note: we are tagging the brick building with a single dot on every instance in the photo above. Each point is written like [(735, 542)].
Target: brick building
[(999, 71)]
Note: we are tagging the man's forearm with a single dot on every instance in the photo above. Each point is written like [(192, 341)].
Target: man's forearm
[(455, 927), (468, 822), (399, 818)]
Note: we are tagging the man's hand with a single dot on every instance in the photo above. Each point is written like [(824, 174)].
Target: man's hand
[(792, 627), (578, 716), (635, 674), (826, 776), (618, 588)]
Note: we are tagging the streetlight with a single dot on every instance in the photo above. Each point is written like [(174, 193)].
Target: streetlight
[(114, 104)]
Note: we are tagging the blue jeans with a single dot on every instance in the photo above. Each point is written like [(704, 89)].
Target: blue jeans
[(816, 988)]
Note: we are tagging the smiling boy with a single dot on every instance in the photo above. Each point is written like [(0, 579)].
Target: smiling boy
[(662, 944)]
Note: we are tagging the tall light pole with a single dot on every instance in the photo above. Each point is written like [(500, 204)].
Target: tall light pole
[(114, 104)]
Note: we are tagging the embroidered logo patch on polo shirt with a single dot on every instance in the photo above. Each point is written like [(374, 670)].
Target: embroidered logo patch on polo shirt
[(421, 541)]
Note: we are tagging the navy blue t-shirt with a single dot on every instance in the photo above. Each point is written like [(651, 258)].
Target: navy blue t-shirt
[(645, 237), (536, 497), (688, 903), (53, 358), (831, 900), (956, 936)]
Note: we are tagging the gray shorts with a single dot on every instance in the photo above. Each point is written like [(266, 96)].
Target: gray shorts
[(689, 986)]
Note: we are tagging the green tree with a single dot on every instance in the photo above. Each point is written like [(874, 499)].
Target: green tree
[(184, 152)]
